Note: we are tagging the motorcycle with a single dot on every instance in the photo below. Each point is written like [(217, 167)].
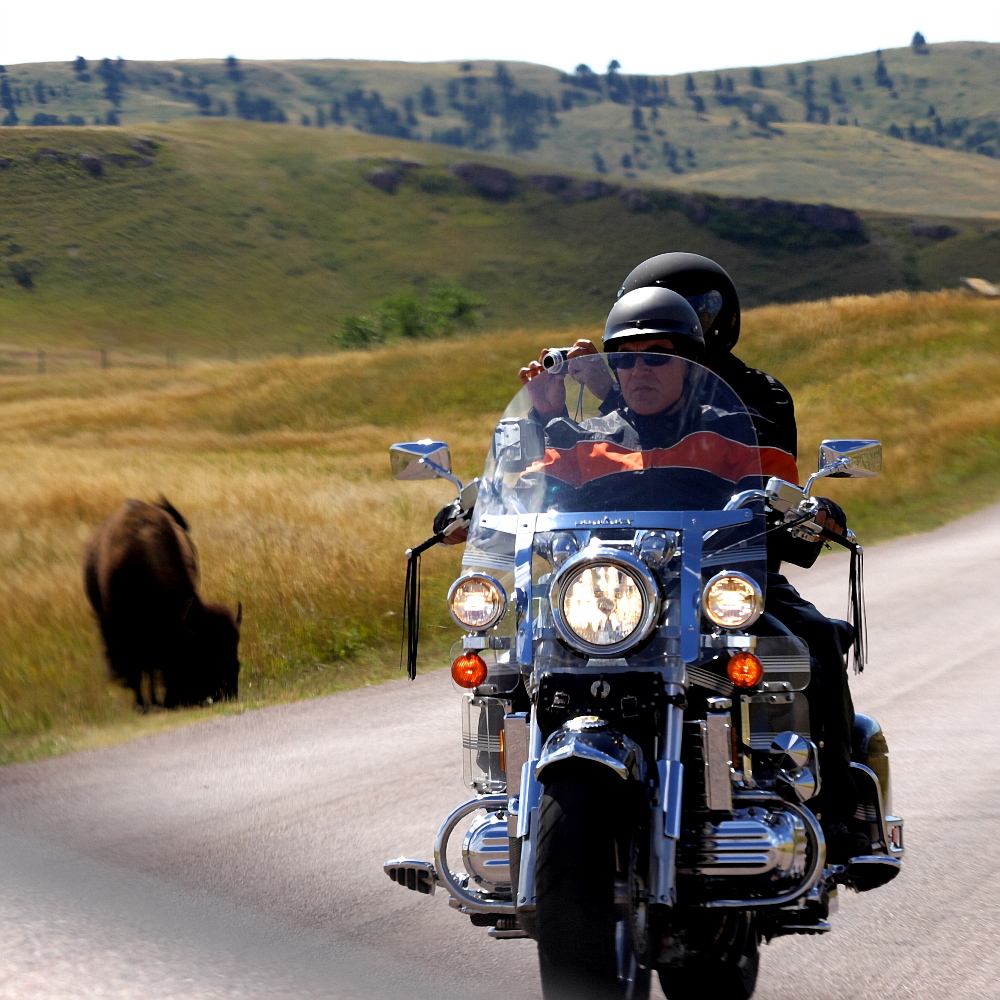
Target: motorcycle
[(638, 746)]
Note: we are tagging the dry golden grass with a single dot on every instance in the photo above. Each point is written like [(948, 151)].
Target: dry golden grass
[(281, 468)]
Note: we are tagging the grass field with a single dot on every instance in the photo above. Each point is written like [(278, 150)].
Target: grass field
[(832, 140), (241, 236), (281, 468)]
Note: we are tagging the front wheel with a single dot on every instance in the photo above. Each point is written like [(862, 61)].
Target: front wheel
[(586, 945), (728, 971)]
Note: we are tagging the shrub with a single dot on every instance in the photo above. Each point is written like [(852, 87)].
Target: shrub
[(359, 333)]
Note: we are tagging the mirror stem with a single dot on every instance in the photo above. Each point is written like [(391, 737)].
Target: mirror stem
[(442, 473), (825, 471)]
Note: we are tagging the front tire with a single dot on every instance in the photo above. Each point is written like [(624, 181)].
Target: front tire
[(585, 940), (728, 972)]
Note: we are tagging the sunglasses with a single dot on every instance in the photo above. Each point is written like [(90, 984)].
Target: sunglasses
[(655, 357)]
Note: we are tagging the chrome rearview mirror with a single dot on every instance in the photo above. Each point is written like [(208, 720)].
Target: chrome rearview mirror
[(864, 458), (424, 459), (847, 459)]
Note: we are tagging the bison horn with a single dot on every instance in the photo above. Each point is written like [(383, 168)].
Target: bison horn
[(239, 613)]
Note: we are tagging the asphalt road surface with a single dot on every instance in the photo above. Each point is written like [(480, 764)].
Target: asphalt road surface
[(242, 857)]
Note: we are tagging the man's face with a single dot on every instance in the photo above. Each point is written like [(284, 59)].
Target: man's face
[(647, 389)]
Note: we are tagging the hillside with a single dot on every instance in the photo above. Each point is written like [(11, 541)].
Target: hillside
[(281, 468), (897, 131), (207, 236)]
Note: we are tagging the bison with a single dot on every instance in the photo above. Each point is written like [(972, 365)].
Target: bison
[(141, 576)]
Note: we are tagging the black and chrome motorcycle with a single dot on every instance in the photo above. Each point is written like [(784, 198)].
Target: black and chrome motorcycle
[(641, 758)]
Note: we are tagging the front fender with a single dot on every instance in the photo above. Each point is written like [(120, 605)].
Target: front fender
[(590, 738)]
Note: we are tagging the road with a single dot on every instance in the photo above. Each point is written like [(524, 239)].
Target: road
[(241, 858)]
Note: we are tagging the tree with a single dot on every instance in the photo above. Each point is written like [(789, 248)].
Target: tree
[(408, 106), (233, 70), (627, 161), (791, 78), (637, 120), (320, 118), (599, 164), (689, 84), (503, 78), (699, 103), (919, 44), (79, 65), (428, 102), (6, 97), (336, 113), (717, 84), (756, 78), (40, 97), (113, 75), (613, 67)]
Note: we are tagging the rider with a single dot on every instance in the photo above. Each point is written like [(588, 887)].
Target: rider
[(711, 293), (632, 326)]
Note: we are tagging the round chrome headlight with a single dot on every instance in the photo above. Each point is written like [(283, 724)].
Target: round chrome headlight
[(732, 600), (604, 601), (477, 601)]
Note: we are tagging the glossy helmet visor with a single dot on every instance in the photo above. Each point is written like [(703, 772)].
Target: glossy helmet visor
[(654, 314)]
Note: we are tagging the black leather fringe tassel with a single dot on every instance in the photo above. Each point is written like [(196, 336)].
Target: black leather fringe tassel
[(411, 605), (859, 649)]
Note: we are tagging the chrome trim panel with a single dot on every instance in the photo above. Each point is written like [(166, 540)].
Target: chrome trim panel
[(602, 746), (477, 902), (886, 824), (748, 845), (817, 845), (716, 734)]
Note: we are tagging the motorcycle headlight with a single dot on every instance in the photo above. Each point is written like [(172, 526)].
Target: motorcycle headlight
[(732, 600), (604, 601), (477, 601)]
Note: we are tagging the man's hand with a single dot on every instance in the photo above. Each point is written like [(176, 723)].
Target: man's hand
[(548, 392), (595, 377), (830, 516)]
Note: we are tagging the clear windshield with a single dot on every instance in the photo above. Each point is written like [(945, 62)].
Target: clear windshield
[(627, 450), (646, 433)]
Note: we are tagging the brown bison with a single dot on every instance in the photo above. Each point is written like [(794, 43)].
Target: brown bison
[(141, 575)]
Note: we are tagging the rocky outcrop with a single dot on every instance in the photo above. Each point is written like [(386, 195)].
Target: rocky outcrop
[(92, 164), (385, 180), (491, 182), (638, 201)]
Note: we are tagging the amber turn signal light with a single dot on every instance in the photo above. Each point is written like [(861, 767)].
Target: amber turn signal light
[(469, 670), (744, 670)]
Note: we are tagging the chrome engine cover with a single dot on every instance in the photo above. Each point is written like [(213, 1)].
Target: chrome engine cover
[(756, 841), (486, 852)]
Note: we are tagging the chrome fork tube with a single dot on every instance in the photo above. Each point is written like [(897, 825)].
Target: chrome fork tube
[(665, 829), (527, 817)]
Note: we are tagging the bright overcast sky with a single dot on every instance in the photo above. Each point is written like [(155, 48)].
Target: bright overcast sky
[(668, 36)]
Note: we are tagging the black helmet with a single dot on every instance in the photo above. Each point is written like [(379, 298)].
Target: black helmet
[(651, 312), (705, 285)]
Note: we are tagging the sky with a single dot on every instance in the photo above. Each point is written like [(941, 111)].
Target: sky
[(645, 36)]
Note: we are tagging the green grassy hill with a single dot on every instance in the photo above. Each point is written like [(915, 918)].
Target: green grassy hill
[(899, 131), (206, 235)]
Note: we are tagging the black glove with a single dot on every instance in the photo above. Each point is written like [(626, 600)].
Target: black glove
[(804, 551), (448, 513), (834, 510)]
